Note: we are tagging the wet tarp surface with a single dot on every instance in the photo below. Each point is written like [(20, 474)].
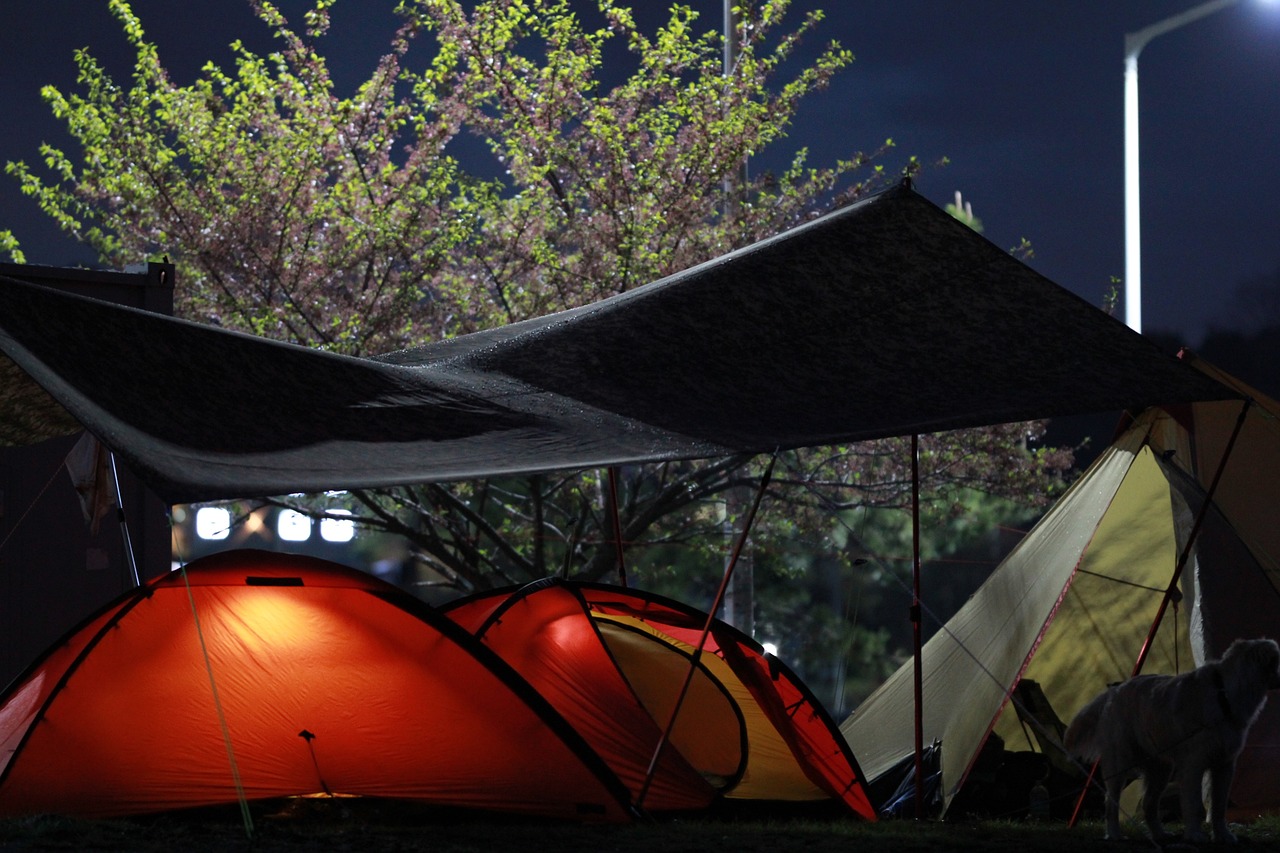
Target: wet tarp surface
[(885, 317)]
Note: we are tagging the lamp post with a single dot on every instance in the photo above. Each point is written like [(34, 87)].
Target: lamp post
[(1133, 44)]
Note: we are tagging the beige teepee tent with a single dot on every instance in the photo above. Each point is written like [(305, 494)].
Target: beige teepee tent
[(1160, 555)]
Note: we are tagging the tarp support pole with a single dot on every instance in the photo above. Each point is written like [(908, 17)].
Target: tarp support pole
[(129, 556), (706, 632), (1191, 539), (918, 665), (617, 523), (1172, 590)]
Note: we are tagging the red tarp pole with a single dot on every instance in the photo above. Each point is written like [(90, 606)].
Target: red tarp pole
[(915, 622), (706, 631), (1172, 589)]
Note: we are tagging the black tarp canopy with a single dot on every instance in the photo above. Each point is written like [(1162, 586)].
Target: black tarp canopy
[(886, 317)]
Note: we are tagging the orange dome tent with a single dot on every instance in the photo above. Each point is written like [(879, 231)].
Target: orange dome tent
[(613, 662), (281, 676)]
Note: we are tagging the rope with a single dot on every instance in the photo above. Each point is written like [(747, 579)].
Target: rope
[(217, 704), (32, 505)]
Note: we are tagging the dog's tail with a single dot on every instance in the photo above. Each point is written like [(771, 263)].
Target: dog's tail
[(1081, 739)]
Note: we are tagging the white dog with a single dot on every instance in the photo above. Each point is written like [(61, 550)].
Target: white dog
[(1162, 726)]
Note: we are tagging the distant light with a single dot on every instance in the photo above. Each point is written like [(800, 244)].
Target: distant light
[(255, 521), (293, 526), (337, 529), (770, 648), (213, 522)]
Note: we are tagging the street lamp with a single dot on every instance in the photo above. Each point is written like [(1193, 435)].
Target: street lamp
[(1133, 44)]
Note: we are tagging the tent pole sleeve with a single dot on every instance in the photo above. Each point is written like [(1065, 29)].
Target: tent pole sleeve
[(1173, 582), (129, 556), (1191, 539), (917, 655), (616, 513), (706, 632)]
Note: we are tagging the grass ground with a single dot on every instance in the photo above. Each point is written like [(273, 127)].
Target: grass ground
[(377, 831)]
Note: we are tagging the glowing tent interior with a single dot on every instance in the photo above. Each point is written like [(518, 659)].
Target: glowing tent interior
[(268, 675)]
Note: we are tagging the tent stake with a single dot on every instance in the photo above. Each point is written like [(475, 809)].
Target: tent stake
[(706, 632), (1172, 590)]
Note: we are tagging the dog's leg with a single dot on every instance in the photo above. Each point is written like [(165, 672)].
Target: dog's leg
[(1155, 778), (1220, 777), (1191, 788), (1115, 784)]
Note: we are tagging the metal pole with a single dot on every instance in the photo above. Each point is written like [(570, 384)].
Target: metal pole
[(732, 23), (1132, 199), (730, 35), (616, 512), (1133, 44), (124, 523)]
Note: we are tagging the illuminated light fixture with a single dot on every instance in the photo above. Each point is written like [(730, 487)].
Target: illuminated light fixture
[(337, 529), (1133, 44), (213, 523), (293, 526)]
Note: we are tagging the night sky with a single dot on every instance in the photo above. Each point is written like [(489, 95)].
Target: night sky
[(1023, 97)]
